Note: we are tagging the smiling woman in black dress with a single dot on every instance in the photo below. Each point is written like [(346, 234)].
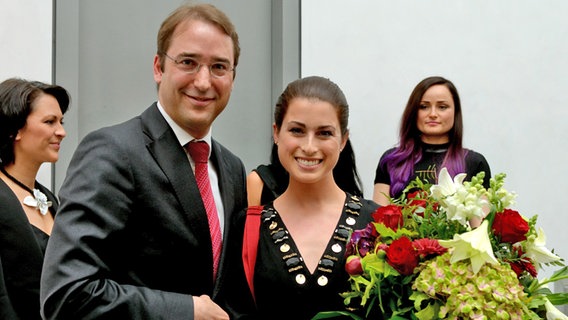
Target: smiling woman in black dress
[(31, 131), (300, 264)]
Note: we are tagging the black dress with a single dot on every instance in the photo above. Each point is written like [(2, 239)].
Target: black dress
[(22, 249), (284, 287)]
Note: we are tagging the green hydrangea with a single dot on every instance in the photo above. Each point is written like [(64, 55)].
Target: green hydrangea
[(493, 293)]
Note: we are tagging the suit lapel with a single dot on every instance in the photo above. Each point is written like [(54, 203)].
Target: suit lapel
[(226, 181), (172, 159), (229, 184)]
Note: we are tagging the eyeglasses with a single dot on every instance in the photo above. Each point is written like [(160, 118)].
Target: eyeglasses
[(191, 66)]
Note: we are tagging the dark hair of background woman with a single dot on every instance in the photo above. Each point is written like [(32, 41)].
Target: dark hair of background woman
[(16, 99)]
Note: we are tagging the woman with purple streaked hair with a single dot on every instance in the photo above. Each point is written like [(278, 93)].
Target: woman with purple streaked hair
[(431, 132)]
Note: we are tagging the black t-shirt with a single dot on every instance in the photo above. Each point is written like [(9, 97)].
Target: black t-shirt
[(428, 167)]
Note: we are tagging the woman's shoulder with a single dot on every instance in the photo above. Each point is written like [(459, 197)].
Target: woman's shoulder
[(7, 197), (4, 188), (475, 163), (388, 151), (264, 169), (473, 156), (384, 156), (368, 203), (268, 170), (367, 206)]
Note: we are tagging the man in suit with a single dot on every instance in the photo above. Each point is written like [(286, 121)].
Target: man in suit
[(132, 239)]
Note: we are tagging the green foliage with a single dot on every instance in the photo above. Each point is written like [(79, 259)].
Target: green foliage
[(445, 288)]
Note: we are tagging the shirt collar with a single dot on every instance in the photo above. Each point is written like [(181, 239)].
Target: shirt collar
[(182, 135)]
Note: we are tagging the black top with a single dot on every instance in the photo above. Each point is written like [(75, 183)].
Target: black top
[(428, 167), (22, 250), (284, 287), (274, 181)]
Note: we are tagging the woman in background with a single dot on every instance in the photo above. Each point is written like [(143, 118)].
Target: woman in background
[(431, 131), (31, 131)]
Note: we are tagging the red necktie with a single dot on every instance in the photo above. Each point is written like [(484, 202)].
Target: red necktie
[(199, 152)]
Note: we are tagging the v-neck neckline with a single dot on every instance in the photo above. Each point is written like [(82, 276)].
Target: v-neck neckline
[(292, 259)]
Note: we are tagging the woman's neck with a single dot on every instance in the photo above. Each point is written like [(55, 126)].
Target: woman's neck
[(306, 197), (435, 139), (24, 175)]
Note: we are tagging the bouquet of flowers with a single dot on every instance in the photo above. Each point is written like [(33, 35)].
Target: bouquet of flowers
[(454, 250)]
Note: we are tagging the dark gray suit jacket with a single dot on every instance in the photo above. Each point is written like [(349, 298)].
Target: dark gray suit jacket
[(131, 239)]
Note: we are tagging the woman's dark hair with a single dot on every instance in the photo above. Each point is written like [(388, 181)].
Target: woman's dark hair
[(314, 87), (279, 172), (400, 163), (16, 99)]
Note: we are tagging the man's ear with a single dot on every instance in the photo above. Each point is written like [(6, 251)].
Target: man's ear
[(157, 69)]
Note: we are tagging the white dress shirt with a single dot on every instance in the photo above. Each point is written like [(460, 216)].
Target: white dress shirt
[(184, 138)]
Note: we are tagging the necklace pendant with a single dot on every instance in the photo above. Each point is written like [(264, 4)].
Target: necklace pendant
[(39, 201), (36, 200)]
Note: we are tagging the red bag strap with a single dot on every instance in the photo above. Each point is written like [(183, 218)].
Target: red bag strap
[(250, 243)]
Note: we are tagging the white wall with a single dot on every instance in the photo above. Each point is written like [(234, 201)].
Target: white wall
[(507, 58), (26, 38)]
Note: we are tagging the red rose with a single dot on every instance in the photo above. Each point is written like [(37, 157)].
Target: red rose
[(390, 216), (510, 226), (353, 266), (402, 256)]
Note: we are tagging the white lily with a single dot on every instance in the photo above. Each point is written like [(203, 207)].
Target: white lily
[(552, 313), (536, 249), (446, 186), (474, 245), (461, 204)]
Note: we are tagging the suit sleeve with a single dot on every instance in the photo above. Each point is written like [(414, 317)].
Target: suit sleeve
[(237, 298), (79, 280)]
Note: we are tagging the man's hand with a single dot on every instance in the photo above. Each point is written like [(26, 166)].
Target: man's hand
[(205, 309)]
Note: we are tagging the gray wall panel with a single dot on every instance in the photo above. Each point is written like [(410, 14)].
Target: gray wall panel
[(104, 54)]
